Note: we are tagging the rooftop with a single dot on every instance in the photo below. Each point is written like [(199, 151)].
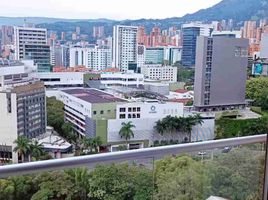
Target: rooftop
[(93, 95)]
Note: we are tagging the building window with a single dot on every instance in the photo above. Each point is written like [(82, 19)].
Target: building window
[(108, 111), (122, 116), (138, 109), (129, 116), (138, 115), (94, 112), (129, 109), (134, 116), (134, 109), (101, 112), (122, 109)]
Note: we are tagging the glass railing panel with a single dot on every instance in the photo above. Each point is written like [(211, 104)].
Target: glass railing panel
[(113, 181), (235, 173)]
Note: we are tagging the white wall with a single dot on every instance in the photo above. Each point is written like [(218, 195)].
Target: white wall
[(152, 110), (8, 123), (144, 130), (66, 78)]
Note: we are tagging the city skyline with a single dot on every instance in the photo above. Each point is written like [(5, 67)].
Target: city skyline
[(116, 9)]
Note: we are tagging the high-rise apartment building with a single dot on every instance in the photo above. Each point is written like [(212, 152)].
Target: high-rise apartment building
[(94, 58), (125, 46), (98, 31), (249, 29), (220, 73), (190, 32), (31, 43)]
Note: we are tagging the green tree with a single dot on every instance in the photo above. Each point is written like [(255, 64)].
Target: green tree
[(80, 178), (55, 114), (160, 127), (180, 178), (237, 175), (177, 125), (6, 189), (96, 143), (22, 147), (36, 150), (121, 182), (126, 131), (256, 89), (53, 186)]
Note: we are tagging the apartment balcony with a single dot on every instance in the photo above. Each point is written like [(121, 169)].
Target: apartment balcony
[(233, 169)]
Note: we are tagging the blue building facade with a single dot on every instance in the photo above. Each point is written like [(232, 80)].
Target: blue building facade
[(190, 35)]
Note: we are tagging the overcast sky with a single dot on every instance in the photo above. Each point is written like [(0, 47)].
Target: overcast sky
[(112, 9)]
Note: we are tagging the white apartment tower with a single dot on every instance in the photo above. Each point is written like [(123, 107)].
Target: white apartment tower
[(125, 46), (94, 58)]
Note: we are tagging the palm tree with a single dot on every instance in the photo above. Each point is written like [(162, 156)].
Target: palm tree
[(126, 131), (22, 146), (80, 177), (36, 150), (192, 121), (198, 119), (96, 143), (160, 127)]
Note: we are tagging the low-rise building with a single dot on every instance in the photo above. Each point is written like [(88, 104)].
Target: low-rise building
[(159, 72), (96, 113), (60, 79), (127, 79), (88, 110)]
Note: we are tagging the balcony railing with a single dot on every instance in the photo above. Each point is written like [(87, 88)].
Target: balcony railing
[(201, 151)]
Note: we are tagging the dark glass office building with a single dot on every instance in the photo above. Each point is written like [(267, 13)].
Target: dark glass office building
[(189, 35)]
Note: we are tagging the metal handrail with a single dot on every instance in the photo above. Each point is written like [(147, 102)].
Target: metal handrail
[(113, 157)]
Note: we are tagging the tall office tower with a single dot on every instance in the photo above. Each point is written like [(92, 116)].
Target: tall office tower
[(22, 105), (249, 29), (220, 73), (31, 43), (190, 32), (98, 31), (94, 58), (125, 46), (7, 35)]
